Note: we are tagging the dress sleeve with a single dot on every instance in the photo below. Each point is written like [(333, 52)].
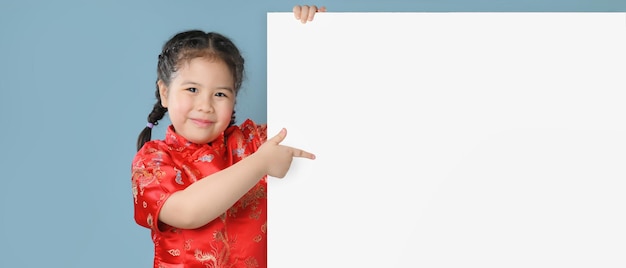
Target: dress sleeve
[(254, 135), (153, 181)]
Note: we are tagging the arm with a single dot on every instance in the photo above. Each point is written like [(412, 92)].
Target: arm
[(206, 199)]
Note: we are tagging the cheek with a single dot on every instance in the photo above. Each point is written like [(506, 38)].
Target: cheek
[(183, 101), (179, 105), (227, 111)]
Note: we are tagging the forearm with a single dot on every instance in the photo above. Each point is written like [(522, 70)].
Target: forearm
[(206, 199)]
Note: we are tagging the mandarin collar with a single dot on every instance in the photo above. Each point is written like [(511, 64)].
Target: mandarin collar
[(180, 144)]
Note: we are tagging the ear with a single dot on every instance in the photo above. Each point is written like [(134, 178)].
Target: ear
[(162, 93)]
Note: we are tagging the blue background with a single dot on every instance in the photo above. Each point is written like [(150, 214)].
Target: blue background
[(76, 85)]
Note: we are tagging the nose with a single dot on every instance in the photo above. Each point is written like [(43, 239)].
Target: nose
[(204, 105)]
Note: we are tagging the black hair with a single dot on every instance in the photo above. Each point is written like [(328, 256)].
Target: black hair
[(181, 48)]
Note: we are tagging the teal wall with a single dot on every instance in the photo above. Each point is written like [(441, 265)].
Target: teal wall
[(76, 85)]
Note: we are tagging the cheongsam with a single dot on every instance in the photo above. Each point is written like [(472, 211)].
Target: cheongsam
[(237, 238)]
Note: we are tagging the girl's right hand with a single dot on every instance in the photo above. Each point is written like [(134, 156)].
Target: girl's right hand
[(277, 158)]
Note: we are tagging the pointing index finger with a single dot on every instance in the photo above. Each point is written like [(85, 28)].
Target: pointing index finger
[(302, 154)]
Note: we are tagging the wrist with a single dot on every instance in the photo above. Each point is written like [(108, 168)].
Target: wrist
[(258, 163)]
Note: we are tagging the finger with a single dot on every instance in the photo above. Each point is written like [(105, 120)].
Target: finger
[(279, 137), (301, 153), (311, 13), (322, 9), (296, 11), (304, 11)]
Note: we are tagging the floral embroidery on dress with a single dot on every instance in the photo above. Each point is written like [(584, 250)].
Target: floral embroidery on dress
[(179, 177), (238, 152), (206, 158)]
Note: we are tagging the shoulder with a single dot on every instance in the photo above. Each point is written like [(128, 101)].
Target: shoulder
[(152, 151), (252, 129), (248, 136)]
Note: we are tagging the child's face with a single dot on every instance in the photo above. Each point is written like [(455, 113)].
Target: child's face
[(200, 99)]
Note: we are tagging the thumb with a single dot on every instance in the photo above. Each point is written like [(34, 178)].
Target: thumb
[(279, 137)]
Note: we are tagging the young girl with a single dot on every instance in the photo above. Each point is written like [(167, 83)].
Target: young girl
[(202, 190)]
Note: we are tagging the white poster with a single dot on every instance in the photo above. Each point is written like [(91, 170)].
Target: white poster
[(449, 140)]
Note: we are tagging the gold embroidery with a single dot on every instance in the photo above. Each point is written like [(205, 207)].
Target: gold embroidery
[(191, 173), (255, 215), (202, 256), (142, 178), (135, 190), (257, 238), (161, 199), (251, 262), (251, 198), (219, 256), (150, 220), (174, 252)]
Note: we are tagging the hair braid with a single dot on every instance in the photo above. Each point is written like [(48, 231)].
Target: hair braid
[(157, 113)]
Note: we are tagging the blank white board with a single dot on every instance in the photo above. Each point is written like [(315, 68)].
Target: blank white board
[(449, 140)]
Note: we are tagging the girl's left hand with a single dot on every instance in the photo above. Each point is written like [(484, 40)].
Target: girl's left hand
[(306, 13)]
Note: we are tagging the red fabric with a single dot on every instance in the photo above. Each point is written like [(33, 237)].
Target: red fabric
[(238, 238)]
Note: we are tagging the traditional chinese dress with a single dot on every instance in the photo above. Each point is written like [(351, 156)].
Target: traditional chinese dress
[(235, 239)]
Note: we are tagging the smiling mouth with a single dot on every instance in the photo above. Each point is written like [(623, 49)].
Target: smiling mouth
[(202, 123)]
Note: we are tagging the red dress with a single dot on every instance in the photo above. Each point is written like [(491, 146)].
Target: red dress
[(237, 238)]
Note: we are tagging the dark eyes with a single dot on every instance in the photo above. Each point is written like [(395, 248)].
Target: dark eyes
[(218, 94)]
